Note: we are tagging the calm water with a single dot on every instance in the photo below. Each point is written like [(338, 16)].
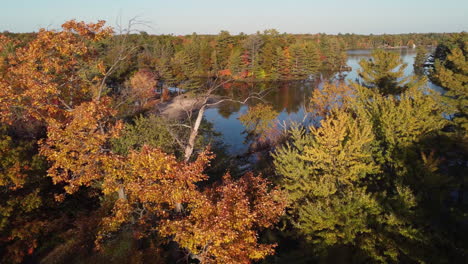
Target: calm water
[(288, 99)]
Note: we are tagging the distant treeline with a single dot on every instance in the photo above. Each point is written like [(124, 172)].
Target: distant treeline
[(268, 56)]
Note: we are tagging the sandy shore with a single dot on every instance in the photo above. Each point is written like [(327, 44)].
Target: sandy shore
[(180, 106)]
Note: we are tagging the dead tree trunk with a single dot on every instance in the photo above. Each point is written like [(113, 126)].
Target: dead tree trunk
[(193, 134)]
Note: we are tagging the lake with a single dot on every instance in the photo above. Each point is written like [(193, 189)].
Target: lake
[(288, 98)]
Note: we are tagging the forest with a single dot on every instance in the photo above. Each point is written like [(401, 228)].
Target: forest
[(99, 165)]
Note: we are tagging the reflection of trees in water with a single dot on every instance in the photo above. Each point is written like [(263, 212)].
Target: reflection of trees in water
[(227, 108), (286, 97)]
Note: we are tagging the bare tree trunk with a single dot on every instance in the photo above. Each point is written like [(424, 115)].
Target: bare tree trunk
[(121, 193), (193, 134)]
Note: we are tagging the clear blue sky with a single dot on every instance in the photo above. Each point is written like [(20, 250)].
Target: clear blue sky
[(211, 16)]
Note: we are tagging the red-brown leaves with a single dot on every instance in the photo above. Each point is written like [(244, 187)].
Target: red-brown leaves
[(224, 221), (141, 87)]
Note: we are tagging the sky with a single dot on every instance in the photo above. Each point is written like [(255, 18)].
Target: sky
[(180, 17)]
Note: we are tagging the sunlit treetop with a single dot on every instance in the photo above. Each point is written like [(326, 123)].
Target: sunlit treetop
[(53, 73), (384, 72)]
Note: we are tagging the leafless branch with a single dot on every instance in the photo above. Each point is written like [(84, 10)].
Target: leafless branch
[(125, 51)]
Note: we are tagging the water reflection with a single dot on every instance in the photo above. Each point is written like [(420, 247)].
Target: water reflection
[(288, 98)]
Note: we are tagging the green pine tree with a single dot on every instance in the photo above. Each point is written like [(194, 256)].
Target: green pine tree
[(384, 71), (419, 60)]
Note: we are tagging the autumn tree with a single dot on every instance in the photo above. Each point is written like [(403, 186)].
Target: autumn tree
[(43, 82), (53, 73), (223, 223), (57, 80), (137, 92)]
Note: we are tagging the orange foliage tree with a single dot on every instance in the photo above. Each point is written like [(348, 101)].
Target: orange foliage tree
[(47, 81), (57, 79), (53, 73), (223, 224), (141, 87), (76, 148)]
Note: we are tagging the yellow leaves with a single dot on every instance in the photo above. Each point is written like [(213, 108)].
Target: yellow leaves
[(330, 96), (260, 120), (75, 148), (101, 67), (402, 121), (340, 150), (121, 212), (150, 182)]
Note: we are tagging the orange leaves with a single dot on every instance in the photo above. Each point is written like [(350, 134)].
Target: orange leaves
[(226, 72), (91, 31), (53, 79), (224, 220), (76, 147), (152, 176), (219, 225), (142, 87), (54, 72)]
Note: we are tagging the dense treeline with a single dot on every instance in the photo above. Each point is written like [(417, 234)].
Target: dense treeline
[(91, 173), (267, 56), (263, 56)]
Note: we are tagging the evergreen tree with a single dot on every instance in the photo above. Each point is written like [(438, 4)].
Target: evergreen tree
[(297, 61), (312, 55), (324, 172), (418, 66), (385, 72), (452, 74), (353, 181), (235, 63), (223, 47)]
